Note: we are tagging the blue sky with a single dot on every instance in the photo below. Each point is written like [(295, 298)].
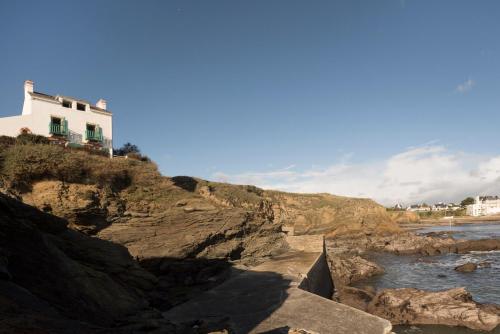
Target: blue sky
[(277, 92)]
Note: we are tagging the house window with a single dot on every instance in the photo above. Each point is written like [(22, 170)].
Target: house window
[(93, 133), (66, 104), (56, 121), (58, 126), (80, 106)]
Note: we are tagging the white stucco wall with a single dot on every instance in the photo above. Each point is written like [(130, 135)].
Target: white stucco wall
[(483, 208), (43, 110), (11, 126), (37, 113)]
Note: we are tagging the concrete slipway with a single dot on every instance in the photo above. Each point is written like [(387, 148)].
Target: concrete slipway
[(289, 291)]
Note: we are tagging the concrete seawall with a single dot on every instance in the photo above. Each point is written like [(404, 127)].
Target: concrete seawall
[(317, 279), (290, 291)]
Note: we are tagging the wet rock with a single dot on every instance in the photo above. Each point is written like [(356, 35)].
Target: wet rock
[(346, 269), (453, 307), (466, 268), (355, 297), (300, 331), (484, 264), (410, 243), (478, 245)]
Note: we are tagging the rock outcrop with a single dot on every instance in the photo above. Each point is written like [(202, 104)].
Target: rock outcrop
[(466, 268), (409, 243), (405, 217), (54, 279), (84, 206), (453, 307), (329, 214), (156, 241), (346, 269)]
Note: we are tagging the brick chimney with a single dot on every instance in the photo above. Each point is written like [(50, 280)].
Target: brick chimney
[(101, 104), (28, 86)]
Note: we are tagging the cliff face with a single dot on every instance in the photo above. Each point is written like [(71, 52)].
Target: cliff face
[(130, 203), (330, 214), (56, 280), (185, 231), (184, 217)]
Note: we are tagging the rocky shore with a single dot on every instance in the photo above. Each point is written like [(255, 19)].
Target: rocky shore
[(409, 243), (112, 244), (454, 307), (98, 244)]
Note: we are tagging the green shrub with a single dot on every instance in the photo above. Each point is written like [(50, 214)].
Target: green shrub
[(6, 141), (138, 156), (23, 164), (28, 138)]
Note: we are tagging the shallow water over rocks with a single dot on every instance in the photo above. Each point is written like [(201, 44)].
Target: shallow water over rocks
[(472, 231), (437, 273)]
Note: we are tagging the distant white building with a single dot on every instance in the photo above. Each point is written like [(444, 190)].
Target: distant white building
[(445, 207), (418, 208), (63, 119), (398, 206), (484, 205), (439, 207)]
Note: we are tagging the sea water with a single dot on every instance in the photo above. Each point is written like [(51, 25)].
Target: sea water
[(437, 273)]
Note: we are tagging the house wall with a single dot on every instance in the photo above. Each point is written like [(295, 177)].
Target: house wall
[(484, 208), (43, 110), (37, 113), (11, 126)]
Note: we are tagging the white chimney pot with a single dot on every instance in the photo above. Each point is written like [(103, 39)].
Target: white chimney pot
[(101, 104), (28, 86)]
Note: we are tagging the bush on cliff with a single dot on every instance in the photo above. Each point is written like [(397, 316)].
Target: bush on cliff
[(21, 165), (28, 138)]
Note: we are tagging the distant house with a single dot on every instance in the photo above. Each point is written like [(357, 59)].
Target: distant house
[(484, 205), (439, 207), (418, 208), (454, 207), (62, 119), (398, 206)]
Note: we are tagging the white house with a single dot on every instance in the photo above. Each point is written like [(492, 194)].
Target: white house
[(63, 119), (418, 208), (439, 207), (484, 205)]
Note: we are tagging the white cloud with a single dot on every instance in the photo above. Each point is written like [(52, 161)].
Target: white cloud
[(465, 86), (428, 173)]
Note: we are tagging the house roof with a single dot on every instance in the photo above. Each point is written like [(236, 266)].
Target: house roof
[(488, 198), (44, 95), (56, 98)]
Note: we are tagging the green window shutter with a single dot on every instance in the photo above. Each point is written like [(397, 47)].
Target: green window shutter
[(65, 125), (99, 133)]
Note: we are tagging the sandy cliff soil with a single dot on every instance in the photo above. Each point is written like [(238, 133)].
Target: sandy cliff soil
[(405, 217)]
